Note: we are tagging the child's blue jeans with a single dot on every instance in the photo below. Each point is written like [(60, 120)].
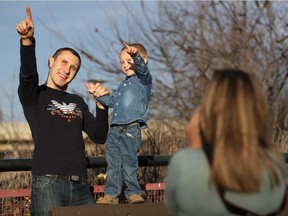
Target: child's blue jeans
[(122, 146)]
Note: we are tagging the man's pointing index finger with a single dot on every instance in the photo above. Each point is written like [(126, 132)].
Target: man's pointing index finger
[(28, 13)]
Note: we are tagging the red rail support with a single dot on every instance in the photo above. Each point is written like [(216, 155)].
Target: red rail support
[(98, 191), (155, 192), (17, 202)]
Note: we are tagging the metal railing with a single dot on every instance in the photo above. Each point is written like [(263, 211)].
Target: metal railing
[(8, 165)]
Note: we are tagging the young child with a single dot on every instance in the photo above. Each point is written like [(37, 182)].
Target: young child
[(130, 104)]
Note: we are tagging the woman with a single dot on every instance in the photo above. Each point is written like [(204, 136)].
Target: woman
[(230, 167)]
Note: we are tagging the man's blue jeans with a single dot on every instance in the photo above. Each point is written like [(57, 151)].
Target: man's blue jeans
[(49, 192), (122, 146)]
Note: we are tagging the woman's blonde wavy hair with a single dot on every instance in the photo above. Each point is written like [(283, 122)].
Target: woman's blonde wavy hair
[(234, 120)]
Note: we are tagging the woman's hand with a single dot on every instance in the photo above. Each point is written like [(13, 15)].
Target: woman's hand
[(193, 131)]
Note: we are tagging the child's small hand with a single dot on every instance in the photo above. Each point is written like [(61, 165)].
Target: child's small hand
[(97, 89), (132, 51)]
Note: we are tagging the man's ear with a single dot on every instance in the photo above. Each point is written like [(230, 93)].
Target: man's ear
[(50, 62)]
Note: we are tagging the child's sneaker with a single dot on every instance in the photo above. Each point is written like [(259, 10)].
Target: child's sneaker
[(135, 198), (107, 200)]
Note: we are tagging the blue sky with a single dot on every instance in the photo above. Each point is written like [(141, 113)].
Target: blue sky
[(65, 15)]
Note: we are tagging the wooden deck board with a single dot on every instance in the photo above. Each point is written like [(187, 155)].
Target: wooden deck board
[(144, 209)]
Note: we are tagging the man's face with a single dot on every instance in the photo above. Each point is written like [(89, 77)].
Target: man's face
[(62, 70), (127, 64)]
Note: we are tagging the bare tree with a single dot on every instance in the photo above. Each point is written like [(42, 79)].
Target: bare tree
[(186, 41)]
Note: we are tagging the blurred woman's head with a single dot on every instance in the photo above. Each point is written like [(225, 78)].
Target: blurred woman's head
[(234, 121)]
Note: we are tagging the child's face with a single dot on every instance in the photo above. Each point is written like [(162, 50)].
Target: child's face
[(127, 64)]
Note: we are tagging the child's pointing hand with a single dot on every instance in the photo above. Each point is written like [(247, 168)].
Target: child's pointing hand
[(132, 51)]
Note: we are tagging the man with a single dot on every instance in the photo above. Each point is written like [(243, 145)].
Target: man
[(57, 119)]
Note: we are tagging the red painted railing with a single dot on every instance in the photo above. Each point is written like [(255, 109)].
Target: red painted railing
[(17, 202)]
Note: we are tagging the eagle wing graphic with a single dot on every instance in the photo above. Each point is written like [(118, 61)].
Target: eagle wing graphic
[(64, 107)]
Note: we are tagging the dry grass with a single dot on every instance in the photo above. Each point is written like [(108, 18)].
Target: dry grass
[(157, 140), (281, 141)]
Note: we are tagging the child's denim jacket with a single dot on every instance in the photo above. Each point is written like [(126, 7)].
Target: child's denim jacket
[(130, 100)]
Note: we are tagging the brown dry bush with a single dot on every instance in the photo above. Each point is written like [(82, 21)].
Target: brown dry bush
[(158, 139)]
